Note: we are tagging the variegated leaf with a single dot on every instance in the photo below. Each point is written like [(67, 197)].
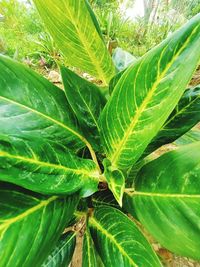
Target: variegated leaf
[(72, 27), (147, 93)]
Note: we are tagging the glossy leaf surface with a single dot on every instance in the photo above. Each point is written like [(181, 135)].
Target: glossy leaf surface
[(30, 226), (32, 107), (62, 253), (73, 30), (185, 115), (86, 101), (45, 168), (118, 240), (115, 180), (147, 93), (190, 137), (167, 200), (89, 253)]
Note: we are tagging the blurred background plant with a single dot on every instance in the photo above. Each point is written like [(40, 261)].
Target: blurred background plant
[(23, 36)]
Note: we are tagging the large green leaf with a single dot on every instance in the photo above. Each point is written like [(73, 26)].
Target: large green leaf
[(118, 240), (185, 115), (45, 167), (86, 101), (167, 199), (30, 106), (63, 251), (30, 225), (71, 25), (89, 258), (147, 93)]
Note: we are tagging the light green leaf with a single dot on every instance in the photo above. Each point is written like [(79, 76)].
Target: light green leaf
[(118, 240), (45, 167), (89, 253), (122, 59), (87, 102), (185, 115), (62, 253), (115, 180), (72, 27), (30, 225), (32, 107), (190, 137), (147, 93), (167, 200)]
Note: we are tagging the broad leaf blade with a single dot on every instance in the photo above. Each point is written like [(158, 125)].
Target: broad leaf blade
[(86, 101), (147, 93), (73, 30), (30, 225), (167, 199), (190, 137), (103, 198), (185, 115), (115, 180), (62, 253), (45, 167), (89, 253), (32, 107), (118, 240)]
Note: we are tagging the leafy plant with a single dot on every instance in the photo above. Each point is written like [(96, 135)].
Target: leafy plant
[(66, 156)]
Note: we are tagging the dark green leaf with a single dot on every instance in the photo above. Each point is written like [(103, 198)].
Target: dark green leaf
[(89, 253), (104, 198), (72, 27), (63, 251), (45, 167), (30, 106), (147, 93), (119, 241), (30, 226), (185, 115), (86, 101), (122, 59), (167, 199)]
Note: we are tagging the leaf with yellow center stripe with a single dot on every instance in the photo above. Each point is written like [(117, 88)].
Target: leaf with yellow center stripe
[(30, 225), (167, 200), (118, 240), (74, 29), (46, 168), (146, 94)]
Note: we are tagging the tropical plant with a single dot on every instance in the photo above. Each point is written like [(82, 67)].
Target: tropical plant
[(66, 156)]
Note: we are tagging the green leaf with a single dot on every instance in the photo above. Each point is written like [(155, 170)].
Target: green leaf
[(115, 80), (30, 107), (45, 167), (167, 200), (190, 137), (63, 251), (72, 27), (185, 115), (122, 59), (147, 93), (118, 240), (89, 253), (30, 225), (86, 101), (115, 180)]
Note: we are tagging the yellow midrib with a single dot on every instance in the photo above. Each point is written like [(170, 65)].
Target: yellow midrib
[(149, 194), (46, 164), (86, 45), (42, 204), (108, 235), (119, 148)]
